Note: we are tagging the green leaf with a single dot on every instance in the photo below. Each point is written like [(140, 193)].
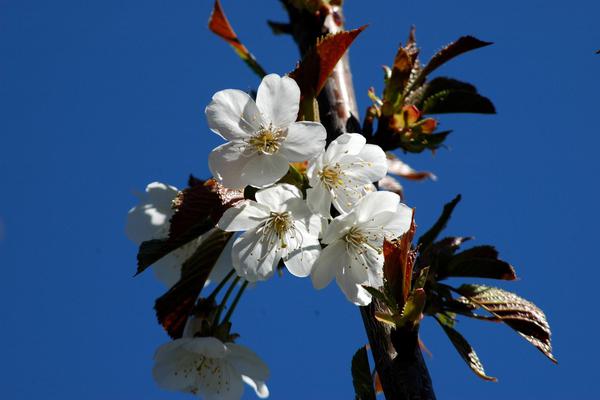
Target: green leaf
[(521, 315), (478, 262), (221, 27), (445, 95), (422, 279), (175, 306), (428, 237), (382, 297), (197, 209), (415, 304), (361, 376), (465, 350)]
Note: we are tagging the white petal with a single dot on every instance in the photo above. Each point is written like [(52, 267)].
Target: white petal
[(331, 260), (374, 203), (278, 99), (305, 140), (253, 258), (354, 293), (301, 252), (247, 362), (226, 162), (233, 114), (400, 222), (274, 197), (373, 166), (243, 217), (260, 388), (319, 200), (367, 267), (346, 144), (338, 227), (263, 170)]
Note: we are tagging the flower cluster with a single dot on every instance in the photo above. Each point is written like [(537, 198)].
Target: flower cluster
[(325, 220), (336, 226)]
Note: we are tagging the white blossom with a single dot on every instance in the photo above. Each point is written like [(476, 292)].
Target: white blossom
[(209, 368), (354, 245), (150, 219), (263, 137), (343, 174), (278, 225)]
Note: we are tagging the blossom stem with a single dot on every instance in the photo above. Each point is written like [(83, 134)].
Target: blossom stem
[(235, 301), (225, 297), (221, 284)]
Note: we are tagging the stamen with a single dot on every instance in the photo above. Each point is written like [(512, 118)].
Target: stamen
[(267, 140)]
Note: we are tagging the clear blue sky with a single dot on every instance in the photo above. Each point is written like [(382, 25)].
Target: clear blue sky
[(98, 98)]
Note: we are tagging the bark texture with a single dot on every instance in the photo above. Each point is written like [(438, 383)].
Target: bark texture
[(398, 358)]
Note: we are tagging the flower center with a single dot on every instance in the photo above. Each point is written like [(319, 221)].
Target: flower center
[(267, 140), (277, 226), (331, 176), (355, 238)]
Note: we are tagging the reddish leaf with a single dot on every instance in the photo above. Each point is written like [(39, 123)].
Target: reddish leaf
[(478, 262), (398, 264), (466, 351), (400, 168), (462, 45), (220, 26), (391, 184), (316, 66), (175, 306), (520, 314), (197, 209)]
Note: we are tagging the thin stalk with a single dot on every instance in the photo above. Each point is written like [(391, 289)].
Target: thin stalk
[(235, 301), (225, 298), (221, 284)]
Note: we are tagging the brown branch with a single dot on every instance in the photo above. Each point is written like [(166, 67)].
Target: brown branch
[(398, 358)]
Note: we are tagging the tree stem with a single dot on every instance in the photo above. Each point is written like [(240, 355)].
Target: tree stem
[(398, 358)]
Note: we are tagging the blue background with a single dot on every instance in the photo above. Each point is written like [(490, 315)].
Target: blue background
[(99, 98)]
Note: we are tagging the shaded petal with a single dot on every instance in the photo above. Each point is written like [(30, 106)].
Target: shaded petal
[(374, 203), (263, 170), (319, 200), (167, 270), (247, 362), (233, 114), (243, 217), (278, 99), (305, 140), (274, 197), (205, 346), (223, 264), (344, 145), (226, 162), (225, 383), (253, 258), (150, 218), (332, 259)]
